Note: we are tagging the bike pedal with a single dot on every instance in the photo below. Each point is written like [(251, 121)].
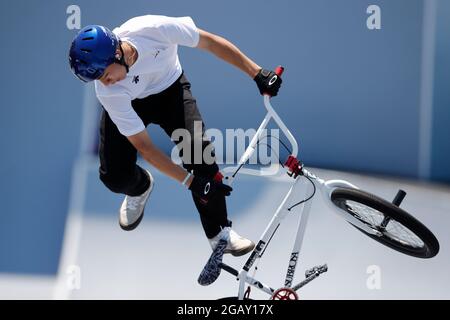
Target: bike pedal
[(212, 269), (316, 270)]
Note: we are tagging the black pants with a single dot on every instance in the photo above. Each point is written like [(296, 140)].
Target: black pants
[(171, 109)]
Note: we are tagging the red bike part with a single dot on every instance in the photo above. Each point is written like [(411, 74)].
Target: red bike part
[(279, 70), (285, 294), (293, 165), (218, 177)]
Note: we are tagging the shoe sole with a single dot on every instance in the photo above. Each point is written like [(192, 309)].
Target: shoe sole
[(241, 252), (134, 225)]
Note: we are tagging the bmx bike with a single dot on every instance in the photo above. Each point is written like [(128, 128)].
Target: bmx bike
[(381, 220)]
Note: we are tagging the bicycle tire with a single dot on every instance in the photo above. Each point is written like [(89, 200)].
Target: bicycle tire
[(342, 197)]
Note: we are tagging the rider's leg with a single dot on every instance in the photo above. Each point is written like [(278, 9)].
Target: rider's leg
[(120, 173), (118, 169), (180, 112)]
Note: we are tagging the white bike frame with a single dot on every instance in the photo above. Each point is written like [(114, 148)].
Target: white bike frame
[(326, 187)]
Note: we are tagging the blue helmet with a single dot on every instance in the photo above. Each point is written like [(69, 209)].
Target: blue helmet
[(92, 51)]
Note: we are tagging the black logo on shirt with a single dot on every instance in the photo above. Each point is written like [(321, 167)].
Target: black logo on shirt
[(156, 53), (135, 79)]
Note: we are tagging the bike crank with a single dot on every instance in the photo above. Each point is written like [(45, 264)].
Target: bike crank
[(284, 294)]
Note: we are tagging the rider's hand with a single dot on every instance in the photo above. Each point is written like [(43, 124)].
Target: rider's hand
[(206, 189), (268, 82)]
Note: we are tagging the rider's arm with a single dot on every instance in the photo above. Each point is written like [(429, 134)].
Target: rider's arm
[(202, 187), (227, 51), (156, 157)]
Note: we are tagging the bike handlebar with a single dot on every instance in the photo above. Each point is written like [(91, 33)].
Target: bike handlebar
[(271, 114)]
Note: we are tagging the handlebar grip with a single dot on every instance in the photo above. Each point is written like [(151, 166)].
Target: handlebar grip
[(279, 70)]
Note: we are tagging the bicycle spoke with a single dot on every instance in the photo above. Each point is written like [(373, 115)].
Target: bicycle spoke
[(365, 213), (388, 226), (400, 233)]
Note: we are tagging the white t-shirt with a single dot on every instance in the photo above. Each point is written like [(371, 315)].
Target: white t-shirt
[(156, 39)]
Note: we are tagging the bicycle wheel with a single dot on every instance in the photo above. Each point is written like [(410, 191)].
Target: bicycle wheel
[(399, 230)]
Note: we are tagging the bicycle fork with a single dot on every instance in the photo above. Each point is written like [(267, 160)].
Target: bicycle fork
[(303, 220), (282, 210)]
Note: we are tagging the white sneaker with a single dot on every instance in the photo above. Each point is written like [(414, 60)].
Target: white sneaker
[(237, 245), (132, 209)]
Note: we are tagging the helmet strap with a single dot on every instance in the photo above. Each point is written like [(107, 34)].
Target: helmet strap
[(121, 61)]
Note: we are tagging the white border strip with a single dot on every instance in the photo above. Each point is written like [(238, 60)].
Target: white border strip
[(73, 227), (426, 88)]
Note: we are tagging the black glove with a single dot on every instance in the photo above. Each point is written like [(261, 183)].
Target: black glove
[(268, 82), (207, 189)]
